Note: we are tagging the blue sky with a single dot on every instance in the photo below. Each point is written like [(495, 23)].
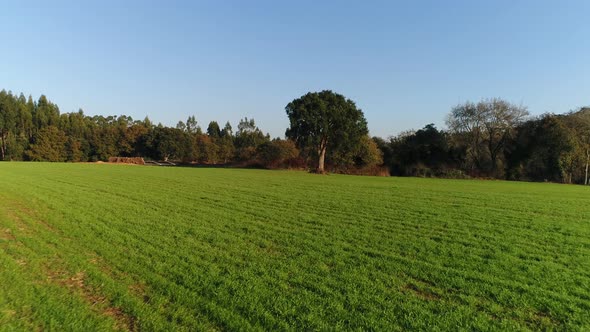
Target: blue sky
[(404, 63)]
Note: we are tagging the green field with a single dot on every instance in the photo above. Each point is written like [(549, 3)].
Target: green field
[(88, 247)]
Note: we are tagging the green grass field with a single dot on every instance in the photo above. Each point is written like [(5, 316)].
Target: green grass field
[(87, 247)]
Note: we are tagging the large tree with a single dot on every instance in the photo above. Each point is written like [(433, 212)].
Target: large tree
[(323, 121), (540, 150), (486, 126), (8, 120), (49, 145)]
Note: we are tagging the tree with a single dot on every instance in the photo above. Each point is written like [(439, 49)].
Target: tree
[(486, 127), (192, 126), (170, 143), (8, 119), (580, 123), (74, 150), (208, 149), (213, 130), (49, 145), (46, 113), (274, 153), (227, 130), (226, 148), (577, 124), (368, 153), (541, 150), (424, 152), (248, 138), (181, 126), (323, 121)]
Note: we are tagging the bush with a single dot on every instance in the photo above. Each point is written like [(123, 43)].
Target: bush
[(276, 153)]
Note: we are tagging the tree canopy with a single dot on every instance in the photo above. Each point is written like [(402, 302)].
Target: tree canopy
[(325, 121)]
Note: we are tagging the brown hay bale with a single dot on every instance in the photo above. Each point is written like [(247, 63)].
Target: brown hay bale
[(127, 160)]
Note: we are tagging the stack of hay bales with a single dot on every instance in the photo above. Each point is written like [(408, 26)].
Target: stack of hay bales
[(127, 160)]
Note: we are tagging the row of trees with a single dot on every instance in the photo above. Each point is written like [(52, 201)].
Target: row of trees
[(327, 132), (37, 131), (496, 139)]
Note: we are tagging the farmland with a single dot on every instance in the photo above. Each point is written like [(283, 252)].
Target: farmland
[(108, 247)]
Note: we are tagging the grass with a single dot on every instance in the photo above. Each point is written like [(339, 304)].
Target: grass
[(105, 247)]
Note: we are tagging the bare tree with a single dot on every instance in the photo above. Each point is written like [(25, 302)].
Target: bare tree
[(487, 126), (467, 121)]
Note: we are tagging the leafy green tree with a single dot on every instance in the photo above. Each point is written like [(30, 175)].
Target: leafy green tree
[(227, 130), (248, 138), (213, 130), (424, 152), (368, 153), (148, 123), (541, 150), (226, 148), (166, 143), (208, 150), (25, 117), (46, 113), (225, 143), (325, 121), (192, 127), (275, 153), (74, 150), (49, 145), (8, 119), (181, 126), (104, 138)]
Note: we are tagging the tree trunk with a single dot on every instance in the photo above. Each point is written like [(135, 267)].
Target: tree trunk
[(587, 161), (493, 157), (321, 159), (3, 146), (492, 153)]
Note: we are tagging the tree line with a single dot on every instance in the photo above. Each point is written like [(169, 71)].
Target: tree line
[(495, 139), (35, 130), (327, 132)]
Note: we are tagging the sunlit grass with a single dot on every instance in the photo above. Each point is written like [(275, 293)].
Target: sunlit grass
[(99, 247)]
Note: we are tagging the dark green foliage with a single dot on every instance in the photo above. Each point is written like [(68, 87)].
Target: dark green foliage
[(208, 150), (169, 143), (324, 123), (226, 149), (49, 144), (35, 131), (423, 153), (277, 153), (247, 139), (192, 126), (538, 149), (362, 155), (213, 130)]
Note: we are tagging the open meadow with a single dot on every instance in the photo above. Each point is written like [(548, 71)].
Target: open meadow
[(108, 247)]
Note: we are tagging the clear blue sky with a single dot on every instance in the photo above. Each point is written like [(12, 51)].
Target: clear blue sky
[(404, 63)]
